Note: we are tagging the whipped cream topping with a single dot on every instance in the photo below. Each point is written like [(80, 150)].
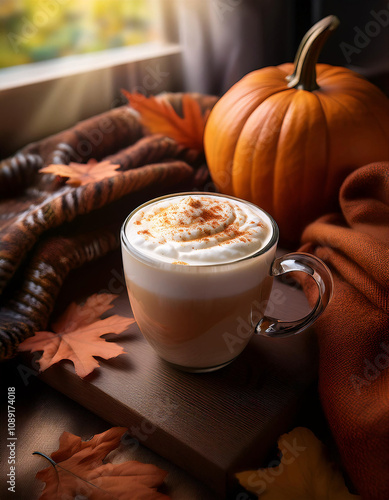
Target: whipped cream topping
[(198, 230)]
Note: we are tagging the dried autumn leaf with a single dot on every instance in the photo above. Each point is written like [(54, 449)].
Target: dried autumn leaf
[(304, 472), (160, 117), (80, 174), (79, 471), (78, 334)]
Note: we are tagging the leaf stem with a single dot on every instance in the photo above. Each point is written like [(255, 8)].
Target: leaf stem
[(46, 457), (58, 466)]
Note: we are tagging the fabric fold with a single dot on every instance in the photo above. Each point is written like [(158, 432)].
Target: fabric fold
[(353, 333)]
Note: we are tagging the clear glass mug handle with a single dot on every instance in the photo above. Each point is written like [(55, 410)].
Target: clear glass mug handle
[(309, 264)]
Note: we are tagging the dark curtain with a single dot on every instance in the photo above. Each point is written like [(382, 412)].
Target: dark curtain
[(225, 39), (361, 42)]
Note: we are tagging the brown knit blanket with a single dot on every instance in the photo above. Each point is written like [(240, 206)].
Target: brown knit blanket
[(48, 228)]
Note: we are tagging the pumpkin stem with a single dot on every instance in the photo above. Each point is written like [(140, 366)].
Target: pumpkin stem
[(304, 74)]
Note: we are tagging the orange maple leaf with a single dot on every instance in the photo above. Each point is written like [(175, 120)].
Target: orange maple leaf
[(78, 334), (78, 470), (80, 174), (160, 117)]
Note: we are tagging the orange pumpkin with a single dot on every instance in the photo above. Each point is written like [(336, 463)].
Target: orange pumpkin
[(286, 137)]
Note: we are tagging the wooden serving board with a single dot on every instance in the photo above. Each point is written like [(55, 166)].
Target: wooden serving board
[(212, 425)]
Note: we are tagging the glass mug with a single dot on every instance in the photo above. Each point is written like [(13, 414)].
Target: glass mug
[(192, 314)]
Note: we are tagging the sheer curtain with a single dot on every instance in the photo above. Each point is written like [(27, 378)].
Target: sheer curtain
[(225, 39)]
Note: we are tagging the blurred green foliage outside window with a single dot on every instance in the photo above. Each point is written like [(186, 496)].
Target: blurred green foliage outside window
[(37, 30)]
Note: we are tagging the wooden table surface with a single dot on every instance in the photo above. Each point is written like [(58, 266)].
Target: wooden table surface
[(43, 413)]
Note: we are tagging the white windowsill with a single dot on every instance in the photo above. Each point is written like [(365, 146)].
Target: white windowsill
[(27, 74)]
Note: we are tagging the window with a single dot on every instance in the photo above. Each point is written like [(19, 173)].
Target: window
[(32, 31), (49, 39), (62, 61)]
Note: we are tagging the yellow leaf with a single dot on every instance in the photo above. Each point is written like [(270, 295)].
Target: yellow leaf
[(304, 472)]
